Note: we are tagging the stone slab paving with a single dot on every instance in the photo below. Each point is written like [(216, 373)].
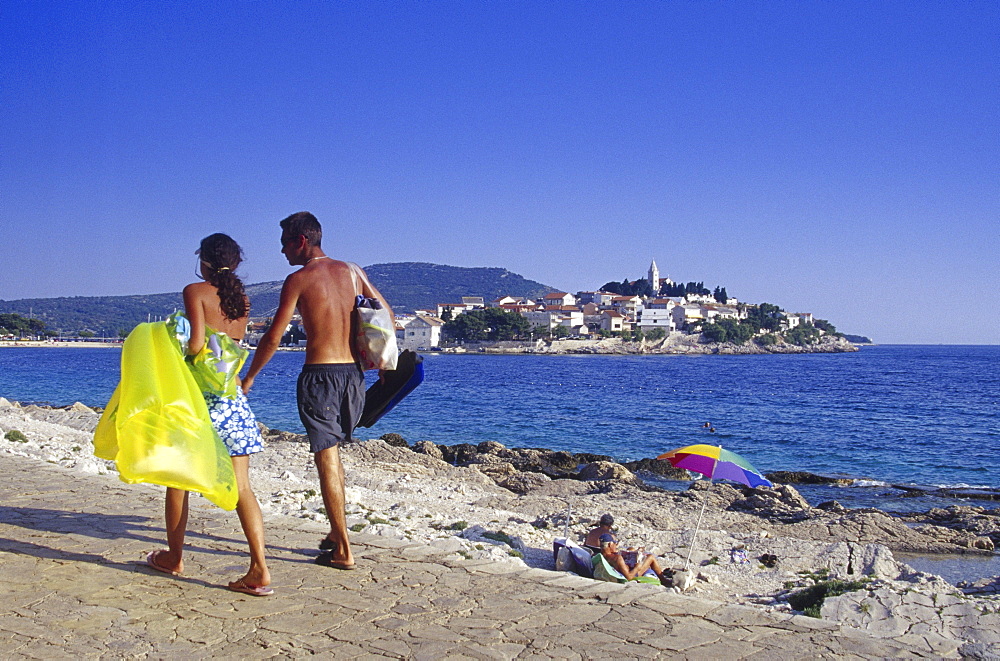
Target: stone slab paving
[(73, 585)]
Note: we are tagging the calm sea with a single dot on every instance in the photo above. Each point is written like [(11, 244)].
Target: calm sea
[(927, 415)]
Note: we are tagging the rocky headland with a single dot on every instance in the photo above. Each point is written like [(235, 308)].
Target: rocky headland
[(673, 344), (502, 504)]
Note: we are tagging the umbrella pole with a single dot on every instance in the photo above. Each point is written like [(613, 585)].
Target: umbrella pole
[(697, 526)]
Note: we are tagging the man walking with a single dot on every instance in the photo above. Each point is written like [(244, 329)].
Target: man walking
[(331, 387)]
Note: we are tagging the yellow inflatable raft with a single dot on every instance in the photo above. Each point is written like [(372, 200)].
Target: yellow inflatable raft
[(156, 428)]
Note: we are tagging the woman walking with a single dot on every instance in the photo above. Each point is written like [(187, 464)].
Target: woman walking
[(217, 309)]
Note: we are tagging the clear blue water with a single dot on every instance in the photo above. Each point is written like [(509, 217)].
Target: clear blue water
[(909, 414)]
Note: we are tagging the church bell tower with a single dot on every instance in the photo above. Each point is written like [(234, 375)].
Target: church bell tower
[(654, 277)]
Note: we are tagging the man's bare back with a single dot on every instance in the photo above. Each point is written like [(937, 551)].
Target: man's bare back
[(324, 294)]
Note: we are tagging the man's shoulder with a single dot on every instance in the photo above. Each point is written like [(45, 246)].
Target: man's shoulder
[(304, 277)]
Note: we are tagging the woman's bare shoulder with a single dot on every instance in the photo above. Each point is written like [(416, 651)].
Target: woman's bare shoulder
[(199, 286), (199, 291)]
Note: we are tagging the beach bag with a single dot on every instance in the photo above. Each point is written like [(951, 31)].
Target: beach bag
[(374, 331), (570, 556)]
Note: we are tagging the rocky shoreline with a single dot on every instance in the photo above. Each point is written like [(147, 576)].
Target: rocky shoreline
[(674, 344), (507, 504)]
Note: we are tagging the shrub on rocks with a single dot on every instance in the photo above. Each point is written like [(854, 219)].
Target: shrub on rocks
[(286, 436), (525, 459), (810, 600), (616, 488), (982, 543), (15, 436)]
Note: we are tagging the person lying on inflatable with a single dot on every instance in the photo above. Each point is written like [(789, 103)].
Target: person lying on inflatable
[(611, 558)]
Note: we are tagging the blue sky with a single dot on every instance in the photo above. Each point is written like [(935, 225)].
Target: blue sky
[(841, 158)]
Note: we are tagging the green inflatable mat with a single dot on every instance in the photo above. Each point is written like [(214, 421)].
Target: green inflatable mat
[(603, 571)]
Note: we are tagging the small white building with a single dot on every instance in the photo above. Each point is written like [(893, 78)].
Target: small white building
[(473, 302), (402, 321), (661, 304), (603, 298), (559, 298), (628, 306), (613, 321), (422, 333), (454, 309), (555, 316), (650, 318), (794, 319), (713, 312), (685, 314), (502, 301), (570, 318)]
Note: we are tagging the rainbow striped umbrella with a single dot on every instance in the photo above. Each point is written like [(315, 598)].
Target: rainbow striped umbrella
[(716, 464), (713, 462)]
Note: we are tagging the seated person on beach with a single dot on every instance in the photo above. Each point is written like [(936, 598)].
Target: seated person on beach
[(593, 540), (644, 562)]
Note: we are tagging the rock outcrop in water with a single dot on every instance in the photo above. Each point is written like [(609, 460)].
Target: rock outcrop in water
[(962, 525), (802, 477)]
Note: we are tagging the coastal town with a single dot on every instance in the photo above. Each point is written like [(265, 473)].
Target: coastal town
[(647, 315), (598, 315)]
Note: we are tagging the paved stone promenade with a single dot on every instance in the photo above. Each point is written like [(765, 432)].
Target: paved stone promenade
[(73, 586)]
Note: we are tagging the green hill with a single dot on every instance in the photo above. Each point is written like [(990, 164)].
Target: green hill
[(410, 286), (406, 285)]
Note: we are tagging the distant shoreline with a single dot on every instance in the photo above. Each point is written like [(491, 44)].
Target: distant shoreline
[(34, 344), (584, 348), (675, 344)]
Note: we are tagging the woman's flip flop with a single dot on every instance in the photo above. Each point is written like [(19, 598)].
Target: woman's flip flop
[(252, 590), (153, 564)]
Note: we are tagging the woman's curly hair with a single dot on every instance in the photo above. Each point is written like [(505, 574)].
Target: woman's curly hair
[(221, 255)]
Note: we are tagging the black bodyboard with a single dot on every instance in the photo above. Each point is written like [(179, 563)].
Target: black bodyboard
[(387, 392)]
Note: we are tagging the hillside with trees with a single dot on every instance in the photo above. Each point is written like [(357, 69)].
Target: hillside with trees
[(491, 324), (14, 325), (408, 286)]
